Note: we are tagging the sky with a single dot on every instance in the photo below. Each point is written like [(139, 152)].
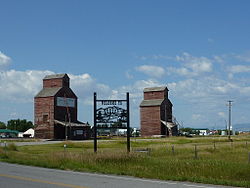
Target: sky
[(200, 50)]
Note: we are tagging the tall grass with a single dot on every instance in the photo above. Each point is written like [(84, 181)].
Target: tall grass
[(224, 164)]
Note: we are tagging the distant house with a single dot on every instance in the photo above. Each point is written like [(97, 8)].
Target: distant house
[(202, 131), (29, 133)]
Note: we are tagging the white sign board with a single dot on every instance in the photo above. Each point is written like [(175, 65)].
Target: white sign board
[(66, 102)]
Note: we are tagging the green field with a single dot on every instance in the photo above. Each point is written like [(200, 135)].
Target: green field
[(216, 161)]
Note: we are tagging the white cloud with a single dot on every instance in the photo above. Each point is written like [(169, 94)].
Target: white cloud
[(197, 64), (207, 89), (81, 80), (14, 115), (196, 116), (84, 86), (206, 85), (201, 66), (230, 75), (219, 59), (245, 90), (155, 57), (222, 114), (239, 68), (4, 59), (151, 70), (136, 89), (221, 89), (245, 57), (158, 57), (203, 94), (183, 71), (198, 98), (18, 88), (129, 75), (192, 66), (21, 86)]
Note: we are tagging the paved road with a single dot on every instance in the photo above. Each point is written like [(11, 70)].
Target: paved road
[(12, 176)]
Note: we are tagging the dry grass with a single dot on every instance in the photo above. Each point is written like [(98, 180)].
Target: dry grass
[(226, 163)]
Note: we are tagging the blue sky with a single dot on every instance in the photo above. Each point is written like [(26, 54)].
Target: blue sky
[(199, 49)]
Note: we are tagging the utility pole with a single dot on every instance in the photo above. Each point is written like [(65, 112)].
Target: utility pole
[(69, 119), (229, 118)]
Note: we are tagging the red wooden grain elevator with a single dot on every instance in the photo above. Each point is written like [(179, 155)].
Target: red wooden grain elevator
[(156, 113), (55, 108)]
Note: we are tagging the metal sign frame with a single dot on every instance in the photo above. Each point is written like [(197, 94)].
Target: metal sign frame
[(107, 115)]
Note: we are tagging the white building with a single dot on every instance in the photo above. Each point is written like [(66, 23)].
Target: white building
[(203, 132), (29, 133)]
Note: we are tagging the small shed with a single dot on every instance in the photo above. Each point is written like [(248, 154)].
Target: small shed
[(29, 133), (74, 131)]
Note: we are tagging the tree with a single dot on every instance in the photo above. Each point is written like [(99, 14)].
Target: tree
[(2, 125), (186, 130), (189, 130), (19, 125)]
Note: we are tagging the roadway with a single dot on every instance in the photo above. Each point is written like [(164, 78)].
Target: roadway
[(12, 176)]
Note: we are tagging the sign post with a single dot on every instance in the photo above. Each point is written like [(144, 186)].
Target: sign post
[(128, 125), (110, 114), (95, 129)]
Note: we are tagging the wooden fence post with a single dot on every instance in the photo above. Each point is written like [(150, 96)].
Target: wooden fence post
[(149, 151), (64, 150), (173, 150), (195, 152), (5, 147), (248, 157)]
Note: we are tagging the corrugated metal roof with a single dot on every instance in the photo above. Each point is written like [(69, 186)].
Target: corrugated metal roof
[(8, 131), (53, 76), (150, 89), (73, 124), (48, 92), (155, 102)]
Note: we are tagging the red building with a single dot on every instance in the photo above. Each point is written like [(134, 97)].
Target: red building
[(156, 113), (55, 109)]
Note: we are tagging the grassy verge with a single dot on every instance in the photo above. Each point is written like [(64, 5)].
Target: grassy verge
[(19, 140), (216, 161)]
